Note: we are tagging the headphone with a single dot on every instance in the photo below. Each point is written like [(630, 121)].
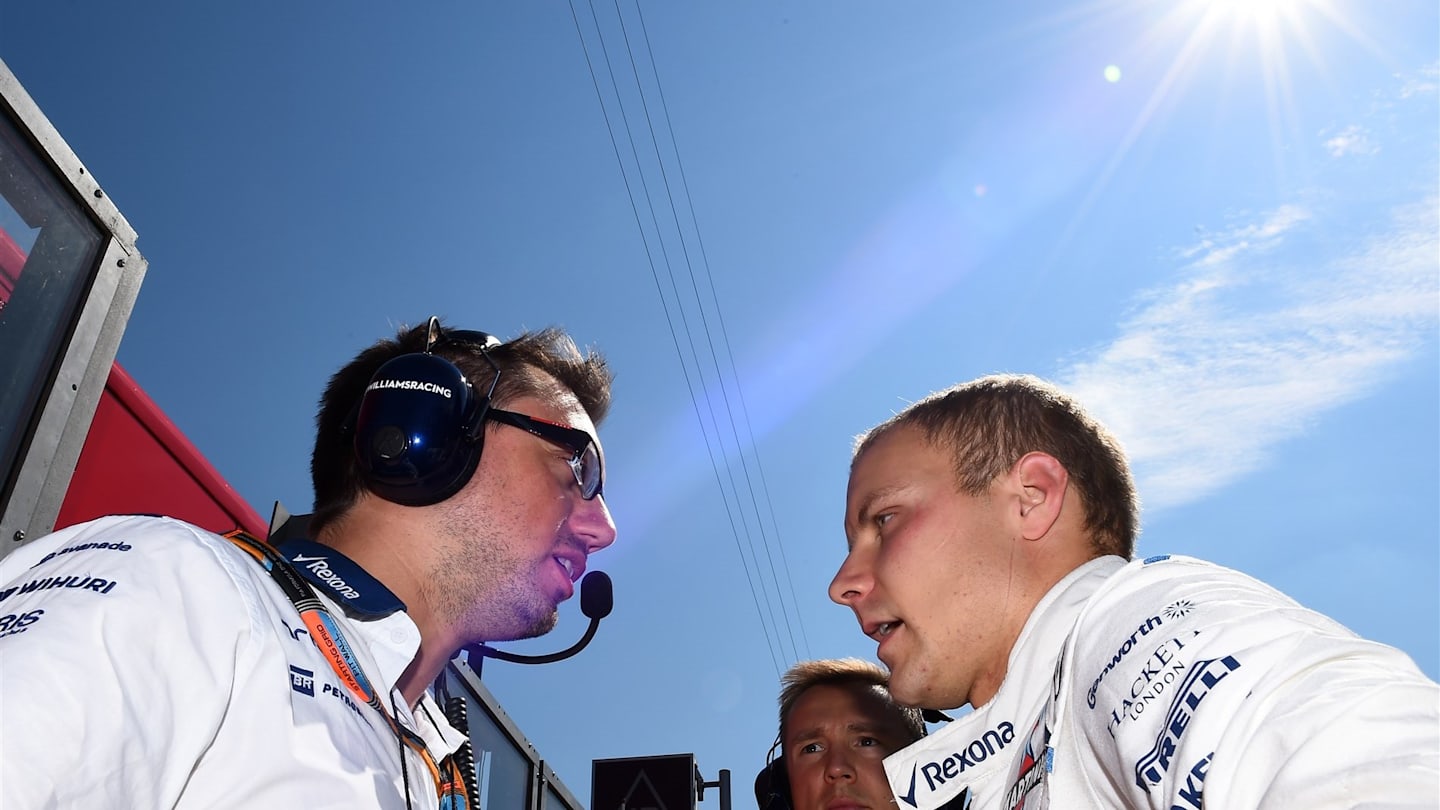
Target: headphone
[(419, 428), (772, 784)]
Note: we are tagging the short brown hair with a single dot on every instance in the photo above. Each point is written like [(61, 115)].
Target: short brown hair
[(542, 364), (843, 672), (992, 422)]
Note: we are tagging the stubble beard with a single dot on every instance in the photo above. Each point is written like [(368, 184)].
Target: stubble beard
[(483, 588)]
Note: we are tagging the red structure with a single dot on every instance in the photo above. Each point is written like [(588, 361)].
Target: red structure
[(136, 460), (12, 259)]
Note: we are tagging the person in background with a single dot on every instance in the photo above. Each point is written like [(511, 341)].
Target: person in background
[(458, 495), (991, 528), (837, 724)]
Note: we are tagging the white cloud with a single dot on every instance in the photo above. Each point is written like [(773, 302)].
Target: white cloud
[(1423, 83), (1217, 249), (1210, 372), (1353, 140)]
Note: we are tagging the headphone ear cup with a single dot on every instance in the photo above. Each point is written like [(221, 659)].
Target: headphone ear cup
[(772, 786), (417, 440)]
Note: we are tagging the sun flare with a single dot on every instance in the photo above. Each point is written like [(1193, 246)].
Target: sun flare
[(1254, 11)]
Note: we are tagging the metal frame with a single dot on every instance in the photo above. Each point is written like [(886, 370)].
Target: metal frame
[(49, 455), (542, 777)]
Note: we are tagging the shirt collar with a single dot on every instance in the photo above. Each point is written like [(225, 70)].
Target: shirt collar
[(341, 578)]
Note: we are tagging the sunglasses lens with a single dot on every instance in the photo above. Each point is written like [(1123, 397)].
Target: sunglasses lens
[(589, 471)]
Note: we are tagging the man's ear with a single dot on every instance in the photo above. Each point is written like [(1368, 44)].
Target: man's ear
[(1042, 481)]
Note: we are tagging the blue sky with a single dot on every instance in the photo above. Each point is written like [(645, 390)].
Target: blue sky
[(1215, 221)]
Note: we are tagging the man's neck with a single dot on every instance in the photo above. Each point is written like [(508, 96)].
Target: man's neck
[(424, 668), (384, 550)]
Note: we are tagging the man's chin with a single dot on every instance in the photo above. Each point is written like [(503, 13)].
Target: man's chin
[(544, 625), (934, 694), (535, 626), (521, 623), (906, 692)]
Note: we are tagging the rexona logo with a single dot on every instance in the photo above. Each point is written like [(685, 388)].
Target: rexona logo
[(938, 772), (411, 385), (960, 802), (320, 566)]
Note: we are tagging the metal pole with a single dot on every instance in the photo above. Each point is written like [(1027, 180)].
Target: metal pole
[(723, 783)]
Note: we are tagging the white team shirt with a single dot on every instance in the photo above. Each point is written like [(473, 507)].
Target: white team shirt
[(145, 662), (1175, 683)]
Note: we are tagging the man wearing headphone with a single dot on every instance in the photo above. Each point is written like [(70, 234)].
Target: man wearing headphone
[(837, 725), (149, 663)]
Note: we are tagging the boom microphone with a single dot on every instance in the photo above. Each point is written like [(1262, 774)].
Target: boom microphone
[(597, 599), (597, 596)]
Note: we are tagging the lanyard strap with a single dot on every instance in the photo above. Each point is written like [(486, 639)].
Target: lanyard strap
[(328, 638)]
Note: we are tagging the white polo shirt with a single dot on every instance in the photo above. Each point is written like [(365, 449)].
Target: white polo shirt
[(147, 663)]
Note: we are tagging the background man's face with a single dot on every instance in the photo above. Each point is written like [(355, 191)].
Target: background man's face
[(836, 738)]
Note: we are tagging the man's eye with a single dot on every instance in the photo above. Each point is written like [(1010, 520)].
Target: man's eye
[(810, 748), (868, 741), (883, 518)]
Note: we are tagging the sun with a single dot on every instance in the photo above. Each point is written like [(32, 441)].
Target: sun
[(1263, 12), (1250, 45), (1272, 25)]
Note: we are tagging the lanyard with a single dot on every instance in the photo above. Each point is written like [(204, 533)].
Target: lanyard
[(330, 641)]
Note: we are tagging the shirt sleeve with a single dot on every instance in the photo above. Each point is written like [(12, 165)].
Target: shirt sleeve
[(119, 646), (1199, 686)]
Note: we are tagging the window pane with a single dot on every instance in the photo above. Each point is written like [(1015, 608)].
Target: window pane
[(48, 251)]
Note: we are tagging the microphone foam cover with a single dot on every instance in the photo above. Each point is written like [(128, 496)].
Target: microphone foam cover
[(597, 596)]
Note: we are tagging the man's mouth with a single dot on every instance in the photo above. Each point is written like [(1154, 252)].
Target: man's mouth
[(572, 564), (881, 631), (845, 802)]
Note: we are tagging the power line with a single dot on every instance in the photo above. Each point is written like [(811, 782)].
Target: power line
[(724, 333), (670, 322), (705, 324), (763, 592)]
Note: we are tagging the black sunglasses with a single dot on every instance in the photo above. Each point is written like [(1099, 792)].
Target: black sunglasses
[(584, 456), (584, 459)]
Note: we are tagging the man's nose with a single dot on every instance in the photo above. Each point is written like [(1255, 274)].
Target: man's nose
[(838, 767), (592, 523), (852, 581)]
